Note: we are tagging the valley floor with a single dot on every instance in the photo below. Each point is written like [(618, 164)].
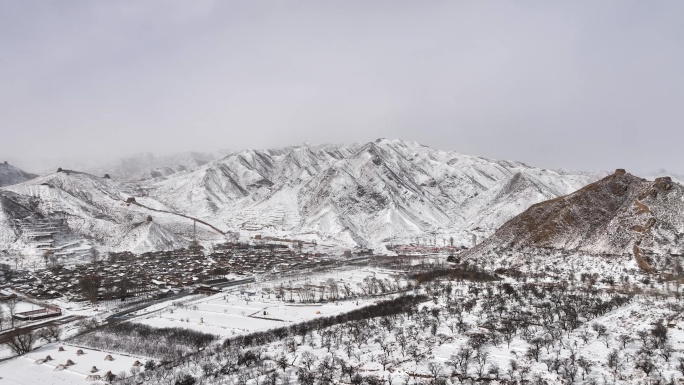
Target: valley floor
[(560, 325)]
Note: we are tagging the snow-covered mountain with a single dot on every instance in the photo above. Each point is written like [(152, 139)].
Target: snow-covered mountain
[(363, 194), (619, 215), (360, 194), (10, 175), (65, 209)]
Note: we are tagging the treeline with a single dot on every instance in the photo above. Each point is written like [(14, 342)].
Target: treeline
[(400, 305), (459, 273), (166, 344)]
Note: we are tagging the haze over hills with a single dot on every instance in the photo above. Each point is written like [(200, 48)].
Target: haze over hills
[(10, 174), (360, 194), (140, 166), (150, 166), (620, 214)]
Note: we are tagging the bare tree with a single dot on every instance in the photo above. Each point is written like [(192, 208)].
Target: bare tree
[(645, 363), (666, 352), (436, 370), (533, 352), (308, 359), (50, 333), (606, 339), (625, 339), (613, 360), (305, 376), (584, 335), (90, 285), (481, 360), (600, 329), (461, 360), (20, 340), (643, 336), (512, 368), (602, 332), (585, 365), (494, 370), (659, 333), (282, 362)]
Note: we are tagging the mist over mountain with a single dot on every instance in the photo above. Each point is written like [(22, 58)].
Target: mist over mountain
[(150, 166), (10, 175), (144, 165)]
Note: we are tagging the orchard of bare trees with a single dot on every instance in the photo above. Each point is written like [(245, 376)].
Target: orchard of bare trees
[(454, 330)]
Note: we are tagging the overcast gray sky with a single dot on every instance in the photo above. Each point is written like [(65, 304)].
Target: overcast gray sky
[(573, 84)]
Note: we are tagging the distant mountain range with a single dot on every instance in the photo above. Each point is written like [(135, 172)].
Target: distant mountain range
[(361, 194), (147, 166), (12, 175)]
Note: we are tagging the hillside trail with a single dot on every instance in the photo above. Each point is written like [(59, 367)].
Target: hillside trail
[(177, 214)]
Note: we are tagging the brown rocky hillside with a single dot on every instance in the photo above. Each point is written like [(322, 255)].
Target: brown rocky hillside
[(617, 215)]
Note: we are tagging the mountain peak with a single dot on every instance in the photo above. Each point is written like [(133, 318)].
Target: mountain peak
[(617, 215), (10, 175)]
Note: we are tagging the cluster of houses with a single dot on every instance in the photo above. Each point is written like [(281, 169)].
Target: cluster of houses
[(416, 249), (267, 258), (28, 283), (162, 273)]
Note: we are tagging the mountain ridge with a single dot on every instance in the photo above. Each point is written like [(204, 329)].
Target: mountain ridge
[(10, 175), (620, 214), (359, 194), (343, 187)]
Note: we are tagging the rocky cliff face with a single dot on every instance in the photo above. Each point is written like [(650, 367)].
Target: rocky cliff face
[(620, 214)]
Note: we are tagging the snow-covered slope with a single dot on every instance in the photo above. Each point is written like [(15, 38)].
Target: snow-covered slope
[(360, 194), (10, 175), (245, 177), (363, 193), (620, 214), (13, 207), (83, 207)]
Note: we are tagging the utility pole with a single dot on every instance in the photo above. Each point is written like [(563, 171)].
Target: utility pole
[(194, 235)]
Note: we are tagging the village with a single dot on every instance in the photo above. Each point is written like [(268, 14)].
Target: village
[(163, 273)]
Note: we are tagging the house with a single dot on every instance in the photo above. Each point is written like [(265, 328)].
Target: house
[(207, 290), (38, 314)]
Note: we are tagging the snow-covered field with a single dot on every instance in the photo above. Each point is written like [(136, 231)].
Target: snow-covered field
[(234, 315), (255, 307), (21, 306), (29, 370)]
